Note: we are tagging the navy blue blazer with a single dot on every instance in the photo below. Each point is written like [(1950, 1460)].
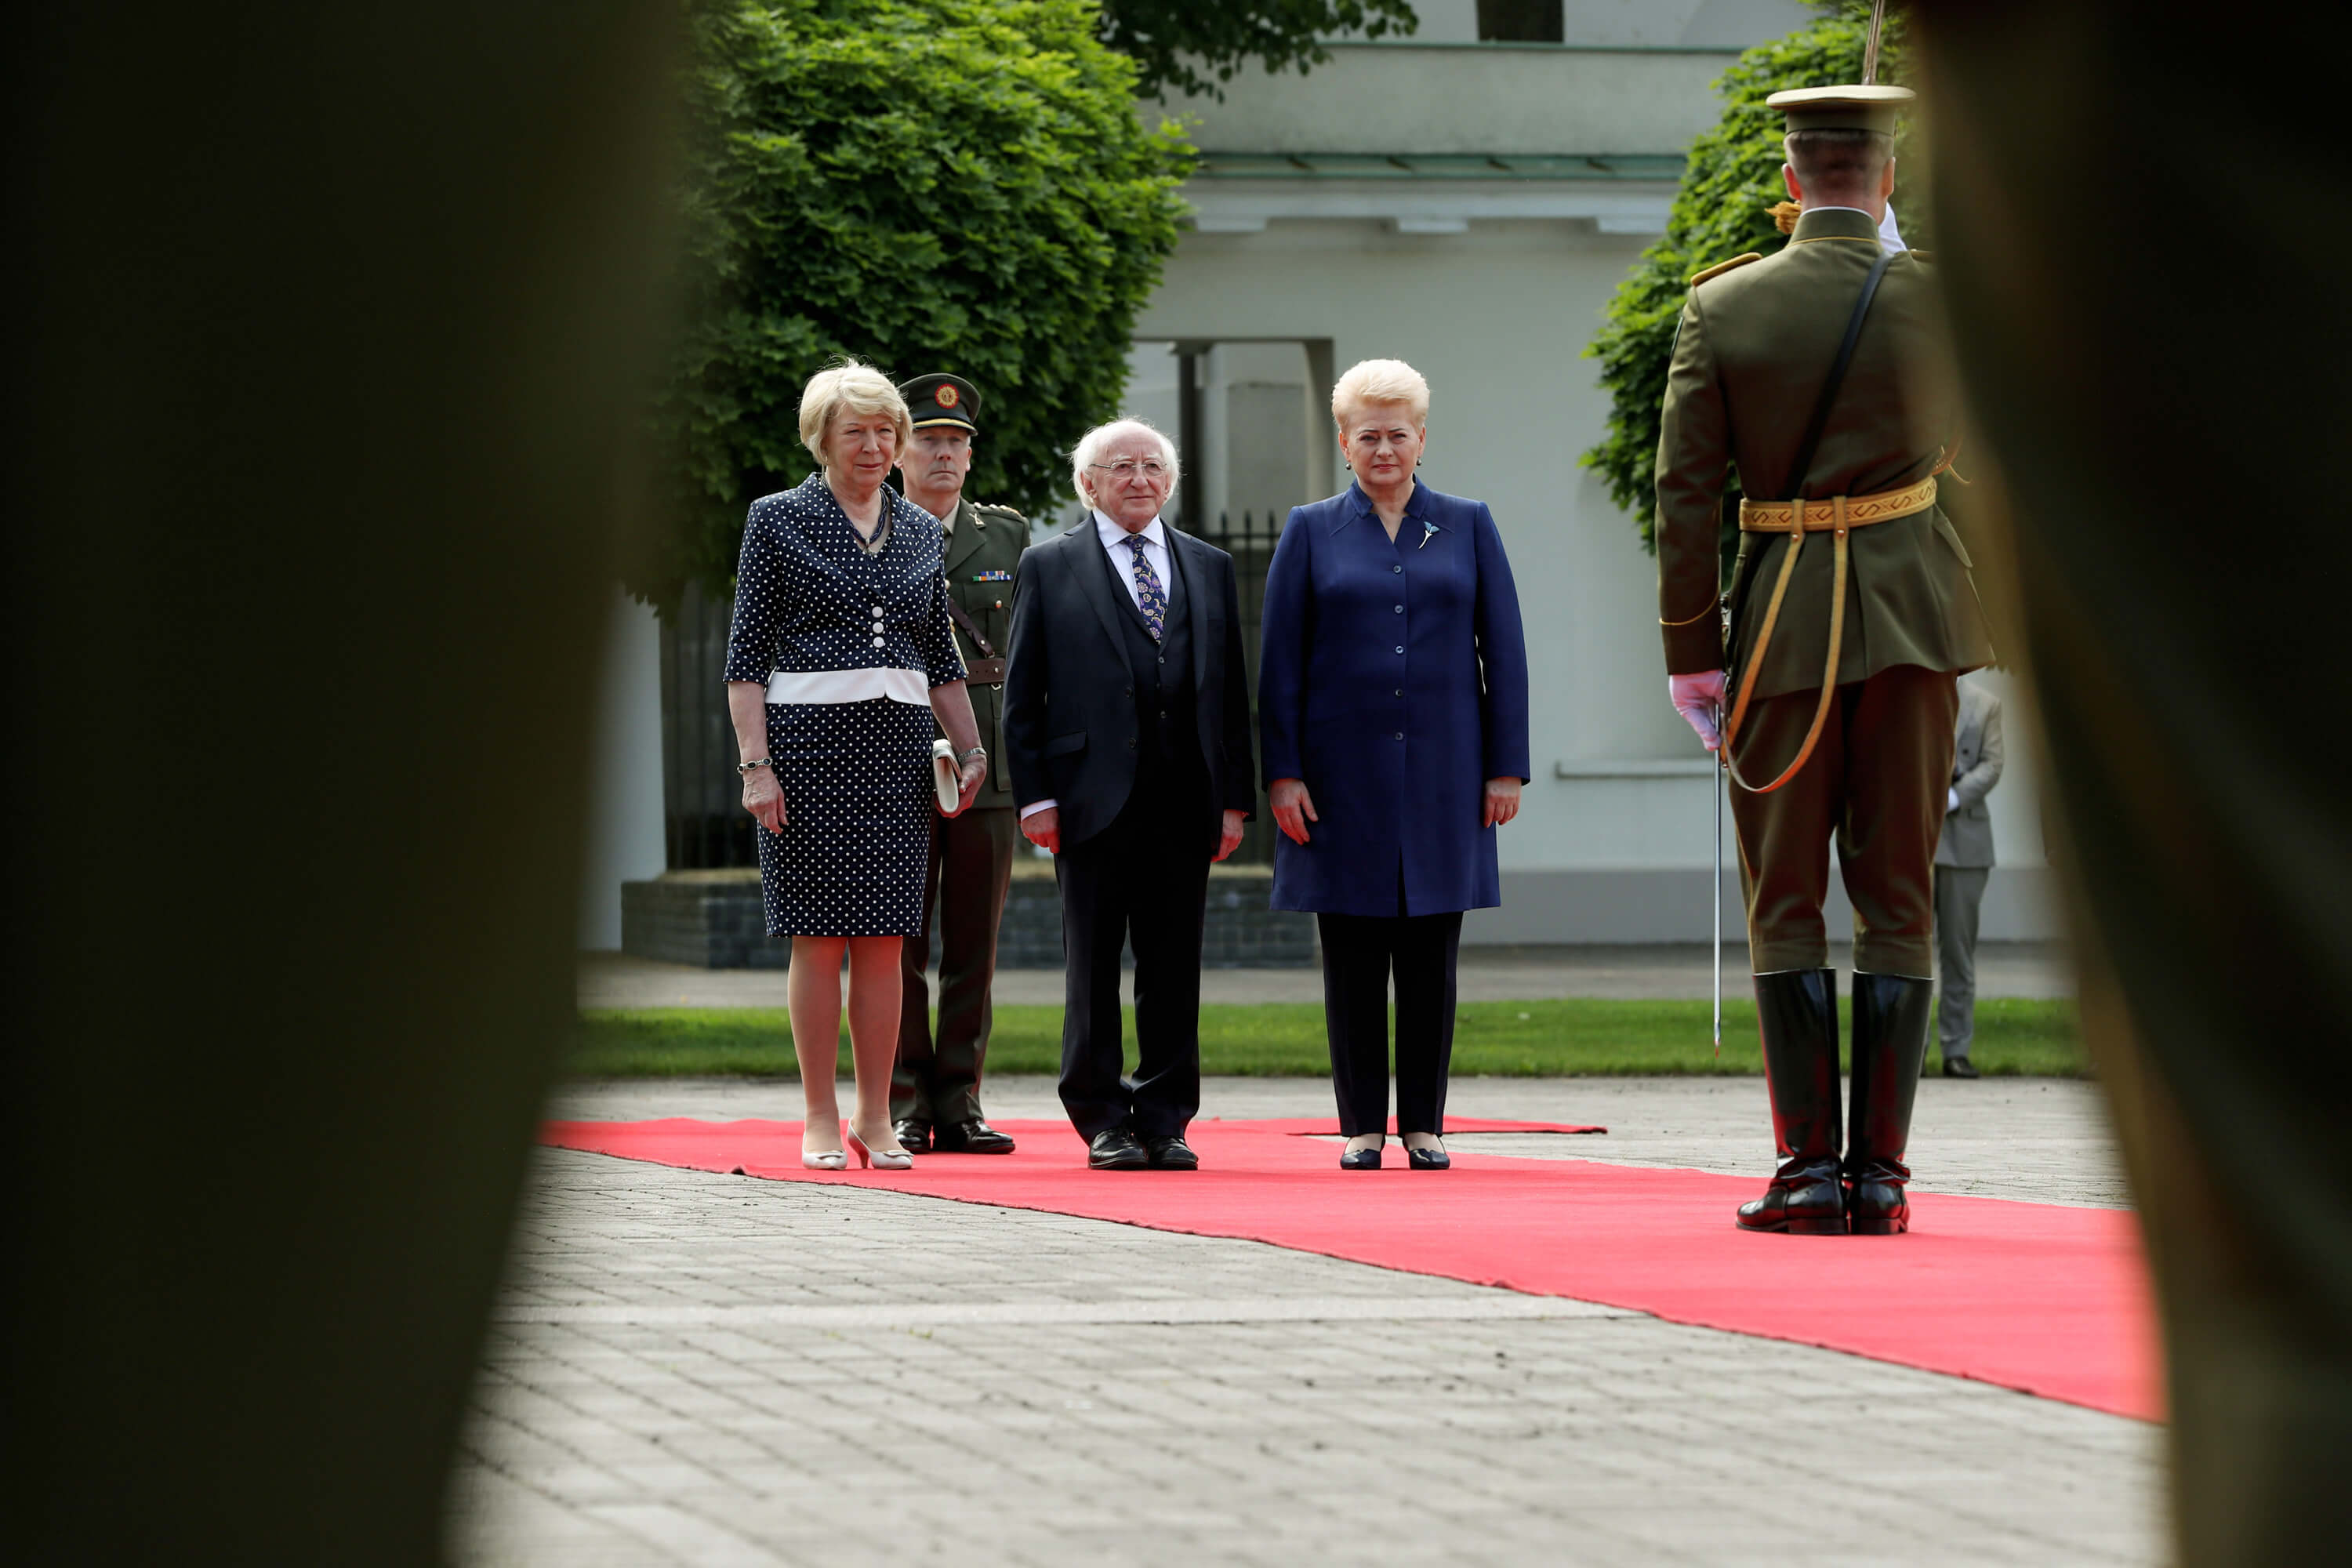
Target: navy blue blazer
[(803, 589), (1393, 678)]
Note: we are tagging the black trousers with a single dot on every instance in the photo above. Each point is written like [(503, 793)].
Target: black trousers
[(1146, 879), (970, 870), (1360, 952)]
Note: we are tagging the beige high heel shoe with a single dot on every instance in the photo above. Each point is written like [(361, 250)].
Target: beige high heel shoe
[(880, 1159), (824, 1160)]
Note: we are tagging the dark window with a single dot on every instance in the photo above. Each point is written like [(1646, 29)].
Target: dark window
[(1522, 21)]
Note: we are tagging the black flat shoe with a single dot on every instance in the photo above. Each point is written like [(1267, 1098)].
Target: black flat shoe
[(1359, 1159), (1428, 1160), (1959, 1067), (1171, 1155), (974, 1137), (1117, 1150), (914, 1137)]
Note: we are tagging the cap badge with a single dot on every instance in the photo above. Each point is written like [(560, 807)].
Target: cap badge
[(946, 397)]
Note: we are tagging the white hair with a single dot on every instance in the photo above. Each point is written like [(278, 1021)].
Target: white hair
[(849, 385), (1381, 381), (1090, 446)]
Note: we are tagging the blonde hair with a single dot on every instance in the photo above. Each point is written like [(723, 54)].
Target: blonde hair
[(1381, 381), (1090, 446), (853, 386)]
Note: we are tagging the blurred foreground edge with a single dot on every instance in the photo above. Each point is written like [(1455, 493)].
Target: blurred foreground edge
[(2142, 220), (328, 334)]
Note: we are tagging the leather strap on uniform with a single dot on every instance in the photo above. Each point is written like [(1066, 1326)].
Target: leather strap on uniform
[(1829, 673), (955, 612), (1796, 506)]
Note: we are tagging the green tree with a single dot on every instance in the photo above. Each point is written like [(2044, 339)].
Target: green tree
[(1174, 40), (928, 185), (1723, 209)]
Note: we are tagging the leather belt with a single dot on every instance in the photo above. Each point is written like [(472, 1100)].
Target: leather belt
[(1822, 516), (987, 671), (1836, 516)]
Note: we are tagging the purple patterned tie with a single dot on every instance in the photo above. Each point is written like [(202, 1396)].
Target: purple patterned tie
[(1148, 596)]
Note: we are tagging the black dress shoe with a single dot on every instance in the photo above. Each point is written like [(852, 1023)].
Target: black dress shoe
[(915, 1137), (1171, 1153), (1959, 1067), (1360, 1158), (1806, 1197), (973, 1137), (1428, 1159), (1117, 1150)]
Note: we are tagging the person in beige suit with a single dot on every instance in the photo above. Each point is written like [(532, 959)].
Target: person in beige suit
[(1963, 863)]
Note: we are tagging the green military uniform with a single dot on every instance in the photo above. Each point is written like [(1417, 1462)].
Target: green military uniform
[(1874, 725), (935, 1091)]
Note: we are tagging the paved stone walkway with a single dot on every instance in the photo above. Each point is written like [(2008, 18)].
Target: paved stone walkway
[(702, 1369), (1486, 974)]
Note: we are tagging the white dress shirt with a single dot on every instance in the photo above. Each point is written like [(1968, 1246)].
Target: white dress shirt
[(1122, 561), (1122, 555)]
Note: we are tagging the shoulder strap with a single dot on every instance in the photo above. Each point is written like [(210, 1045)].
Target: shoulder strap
[(978, 638), (1803, 465)]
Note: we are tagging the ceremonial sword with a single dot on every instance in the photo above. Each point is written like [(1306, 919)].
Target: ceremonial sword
[(1715, 873)]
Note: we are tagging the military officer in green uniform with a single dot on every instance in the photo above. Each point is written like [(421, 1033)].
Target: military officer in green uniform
[(935, 1092), (1850, 614)]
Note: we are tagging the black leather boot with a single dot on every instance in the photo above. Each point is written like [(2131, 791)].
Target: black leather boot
[(1890, 1043), (1796, 1014)]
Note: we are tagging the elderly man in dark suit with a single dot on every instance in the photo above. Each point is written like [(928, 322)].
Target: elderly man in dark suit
[(1963, 864), (1127, 737)]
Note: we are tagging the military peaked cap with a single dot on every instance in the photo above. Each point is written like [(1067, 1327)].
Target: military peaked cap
[(941, 400), (1841, 107)]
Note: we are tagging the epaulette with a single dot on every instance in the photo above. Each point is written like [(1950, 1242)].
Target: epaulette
[(1720, 267), (998, 511)]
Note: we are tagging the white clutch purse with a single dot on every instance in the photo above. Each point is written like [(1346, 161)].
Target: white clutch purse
[(946, 780)]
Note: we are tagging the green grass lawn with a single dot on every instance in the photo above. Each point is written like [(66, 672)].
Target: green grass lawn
[(1568, 1038)]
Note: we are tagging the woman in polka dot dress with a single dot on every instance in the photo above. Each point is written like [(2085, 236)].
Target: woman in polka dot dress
[(839, 658)]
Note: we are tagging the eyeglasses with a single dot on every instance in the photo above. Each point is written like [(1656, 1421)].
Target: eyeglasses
[(1128, 467)]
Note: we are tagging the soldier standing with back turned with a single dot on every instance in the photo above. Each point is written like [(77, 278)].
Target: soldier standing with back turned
[(1816, 371), (935, 1092)]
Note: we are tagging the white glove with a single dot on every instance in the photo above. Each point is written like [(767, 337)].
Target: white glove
[(1951, 801), (1699, 699)]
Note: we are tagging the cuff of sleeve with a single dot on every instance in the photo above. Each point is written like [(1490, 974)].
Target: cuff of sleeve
[(1034, 806), (1695, 649)]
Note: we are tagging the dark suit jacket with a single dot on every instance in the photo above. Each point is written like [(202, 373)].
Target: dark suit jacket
[(1071, 725)]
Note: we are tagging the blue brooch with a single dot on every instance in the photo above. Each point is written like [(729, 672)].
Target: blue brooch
[(1428, 533)]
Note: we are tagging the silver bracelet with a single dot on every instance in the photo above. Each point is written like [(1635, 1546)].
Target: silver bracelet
[(747, 767), (979, 751)]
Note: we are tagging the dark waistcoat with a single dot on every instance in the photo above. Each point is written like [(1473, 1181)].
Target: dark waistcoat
[(1167, 737)]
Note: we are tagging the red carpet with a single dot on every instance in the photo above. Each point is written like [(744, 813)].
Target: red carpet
[(2045, 1300)]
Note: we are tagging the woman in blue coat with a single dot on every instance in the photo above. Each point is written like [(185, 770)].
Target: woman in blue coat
[(1393, 703)]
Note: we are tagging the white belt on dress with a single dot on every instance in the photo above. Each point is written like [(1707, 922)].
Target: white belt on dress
[(907, 686)]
